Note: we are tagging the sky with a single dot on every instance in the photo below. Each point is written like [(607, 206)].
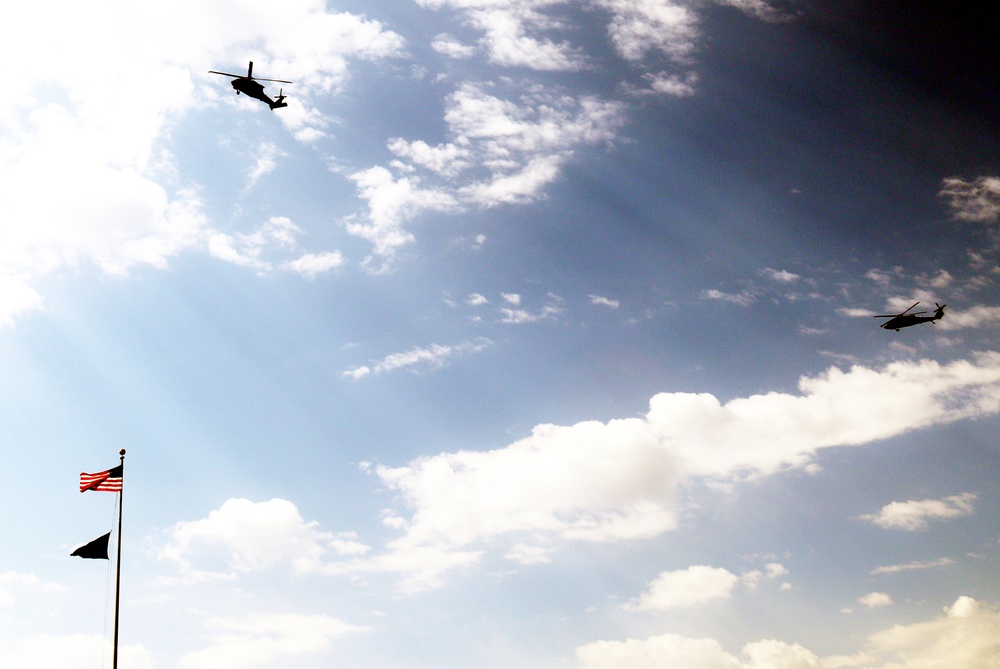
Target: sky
[(532, 334)]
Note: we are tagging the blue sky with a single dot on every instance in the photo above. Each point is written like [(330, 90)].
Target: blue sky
[(532, 333)]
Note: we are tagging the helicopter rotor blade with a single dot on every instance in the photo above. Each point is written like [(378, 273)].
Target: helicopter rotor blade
[(282, 81), (226, 74)]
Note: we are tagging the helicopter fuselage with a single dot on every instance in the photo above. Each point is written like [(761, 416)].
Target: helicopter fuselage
[(255, 90), (905, 320)]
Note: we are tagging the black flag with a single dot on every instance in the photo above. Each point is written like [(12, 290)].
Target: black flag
[(95, 550)]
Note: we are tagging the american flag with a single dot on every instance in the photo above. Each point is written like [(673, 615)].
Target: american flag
[(109, 481)]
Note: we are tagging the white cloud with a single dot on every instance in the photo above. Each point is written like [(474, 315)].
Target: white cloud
[(520, 316), (604, 301), (247, 249), (499, 152), (758, 8), (445, 159), (265, 162), (46, 651), (966, 637), (879, 276), (13, 580), (640, 26), (84, 175), (915, 514), (510, 43), (248, 537), (976, 201), (744, 298), (854, 312), (258, 640), (391, 203), (512, 34), (667, 83), (781, 276), (940, 279), (527, 554), (16, 298), (616, 481), (511, 298), (311, 265), (433, 356), (685, 588), (475, 300), (976, 317), (451, 47), (874, 600), (672, 650), (911, 566)]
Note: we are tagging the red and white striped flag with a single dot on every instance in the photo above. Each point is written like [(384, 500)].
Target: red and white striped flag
[(109, 481)]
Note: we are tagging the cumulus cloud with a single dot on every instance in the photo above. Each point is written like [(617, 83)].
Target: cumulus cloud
[(103, 148), (672, 650), (597, 482), (974, 317), (967, 636), (874, 600), (685, 588), (915, 514), (258, 640), (250, 536), (619, 480)]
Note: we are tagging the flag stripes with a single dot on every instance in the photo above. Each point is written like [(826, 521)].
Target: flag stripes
[(108, 481)]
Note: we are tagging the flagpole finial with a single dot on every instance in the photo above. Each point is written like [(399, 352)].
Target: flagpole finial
[(122, 452)]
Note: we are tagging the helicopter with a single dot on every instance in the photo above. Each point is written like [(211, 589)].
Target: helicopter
[(249, 85), (905, 320)]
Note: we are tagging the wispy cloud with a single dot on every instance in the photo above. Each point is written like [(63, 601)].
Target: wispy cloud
[(500, 151), (915, 514), (744, 298), (604, 301), (912, 566), (430, 357)]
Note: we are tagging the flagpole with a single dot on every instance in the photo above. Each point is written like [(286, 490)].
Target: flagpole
[(118, 563)]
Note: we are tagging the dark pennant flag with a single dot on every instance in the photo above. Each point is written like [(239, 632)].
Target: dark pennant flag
[(95, 550)]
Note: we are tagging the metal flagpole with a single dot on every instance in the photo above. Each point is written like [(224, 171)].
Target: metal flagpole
[(118, 561)]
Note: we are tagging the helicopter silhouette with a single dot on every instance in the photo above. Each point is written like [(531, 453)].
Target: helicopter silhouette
[(248, 85), (905, 320)]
